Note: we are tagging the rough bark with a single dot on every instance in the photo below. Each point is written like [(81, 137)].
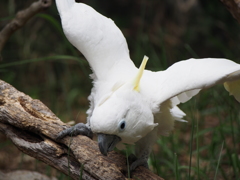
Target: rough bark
[(24, 175), (33, 128), (21, 18), (234, 7)]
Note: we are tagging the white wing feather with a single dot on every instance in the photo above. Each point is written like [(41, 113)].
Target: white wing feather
[(185, 79), (177, 114), (97, 38), (106, 50)]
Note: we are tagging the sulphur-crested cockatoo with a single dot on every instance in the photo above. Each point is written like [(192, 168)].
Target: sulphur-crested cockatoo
[(128, 104)]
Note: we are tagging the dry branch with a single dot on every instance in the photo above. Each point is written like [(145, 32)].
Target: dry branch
[(33, 128), (234, 7), (21, 18)]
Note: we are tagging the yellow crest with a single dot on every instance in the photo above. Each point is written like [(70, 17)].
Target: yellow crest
[(136, 81)]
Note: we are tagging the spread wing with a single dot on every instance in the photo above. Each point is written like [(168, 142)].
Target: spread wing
[(97, 38), (184, 79), (106, 50)]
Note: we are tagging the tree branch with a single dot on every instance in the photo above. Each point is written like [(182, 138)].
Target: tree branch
[(234, 7), (33, 128), (21, 18)]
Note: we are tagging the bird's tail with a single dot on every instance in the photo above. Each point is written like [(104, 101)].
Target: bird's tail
[(64, 5)]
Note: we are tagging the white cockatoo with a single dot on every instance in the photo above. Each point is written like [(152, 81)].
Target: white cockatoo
[(128, 104)]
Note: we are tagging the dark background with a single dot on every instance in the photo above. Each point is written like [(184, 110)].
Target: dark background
[(167, 31)]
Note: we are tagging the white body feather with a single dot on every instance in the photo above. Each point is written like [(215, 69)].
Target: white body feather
[(106, 50)]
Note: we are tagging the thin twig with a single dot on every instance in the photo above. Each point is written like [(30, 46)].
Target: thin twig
[(20, 20), (234, 7)]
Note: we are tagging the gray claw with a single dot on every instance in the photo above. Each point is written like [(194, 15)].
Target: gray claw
[(139, 162), (132, 158), (78, 129)]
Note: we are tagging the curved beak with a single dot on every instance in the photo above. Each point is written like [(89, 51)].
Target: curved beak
[(107, 142)]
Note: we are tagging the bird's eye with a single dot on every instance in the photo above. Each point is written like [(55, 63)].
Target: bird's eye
[(122, 125)]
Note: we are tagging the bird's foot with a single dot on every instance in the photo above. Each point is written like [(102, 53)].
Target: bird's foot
[(78, 129), (137, 162)]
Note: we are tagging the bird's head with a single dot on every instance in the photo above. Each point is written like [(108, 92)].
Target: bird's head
[(122, 116)]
